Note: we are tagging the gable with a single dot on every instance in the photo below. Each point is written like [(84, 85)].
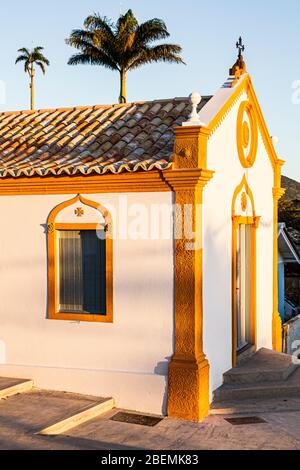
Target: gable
[(224, 102)]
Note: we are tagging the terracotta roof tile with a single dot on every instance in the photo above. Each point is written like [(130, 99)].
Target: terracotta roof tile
[(101, 139)]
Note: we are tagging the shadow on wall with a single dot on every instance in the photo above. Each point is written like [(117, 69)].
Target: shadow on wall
[(161, 368)]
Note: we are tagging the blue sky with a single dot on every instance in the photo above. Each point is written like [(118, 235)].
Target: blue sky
[(207, 32)]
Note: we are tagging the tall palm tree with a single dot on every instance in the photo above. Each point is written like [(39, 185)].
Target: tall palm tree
[(122, 46), (30, 58)]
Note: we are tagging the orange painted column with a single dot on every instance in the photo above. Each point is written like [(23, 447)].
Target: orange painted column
[(188, 380), (278, 192)]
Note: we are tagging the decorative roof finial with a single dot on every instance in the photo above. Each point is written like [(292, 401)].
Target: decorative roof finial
[(194, 120), (240, 46), (239, 68)]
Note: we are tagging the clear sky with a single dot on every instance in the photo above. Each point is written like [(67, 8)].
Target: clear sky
[(207, 31)]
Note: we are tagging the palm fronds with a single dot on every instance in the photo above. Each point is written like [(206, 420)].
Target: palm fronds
[(30, 58), (122, 46)]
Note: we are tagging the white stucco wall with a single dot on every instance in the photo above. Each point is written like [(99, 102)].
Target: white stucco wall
[(126, 359), (217, 243)]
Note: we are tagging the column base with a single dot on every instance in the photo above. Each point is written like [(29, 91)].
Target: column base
[(276, 332), (188, 388)]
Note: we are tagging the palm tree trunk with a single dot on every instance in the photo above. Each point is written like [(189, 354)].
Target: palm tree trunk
[(32, 87), (122, 98)]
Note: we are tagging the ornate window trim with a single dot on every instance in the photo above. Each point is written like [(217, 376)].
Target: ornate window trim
[(52, 228)]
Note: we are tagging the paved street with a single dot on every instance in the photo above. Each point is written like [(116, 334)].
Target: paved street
[(21, 419)]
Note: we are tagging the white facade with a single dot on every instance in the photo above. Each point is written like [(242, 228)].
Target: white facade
[(217, 244), (126, 359)]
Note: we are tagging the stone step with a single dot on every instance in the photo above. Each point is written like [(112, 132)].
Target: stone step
[(50, 413), (11, 386), (254, 406), (79, 416), (264, 366), (287, 388)]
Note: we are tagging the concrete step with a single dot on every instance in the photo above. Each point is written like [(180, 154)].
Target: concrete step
[(80, 416), (11, 386), (264, 366), (49, 413), (254, 406), (279, 389)]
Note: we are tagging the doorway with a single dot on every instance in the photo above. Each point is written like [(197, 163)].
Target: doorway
[(243, 287)]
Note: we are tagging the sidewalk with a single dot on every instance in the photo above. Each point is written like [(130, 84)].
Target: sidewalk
[(18, 425)]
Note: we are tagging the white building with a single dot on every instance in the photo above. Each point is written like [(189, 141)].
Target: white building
[(139, 246)]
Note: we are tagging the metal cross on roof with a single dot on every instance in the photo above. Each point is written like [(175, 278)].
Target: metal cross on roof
[(240, 46)]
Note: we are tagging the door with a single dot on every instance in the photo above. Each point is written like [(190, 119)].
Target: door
[(243, 286)]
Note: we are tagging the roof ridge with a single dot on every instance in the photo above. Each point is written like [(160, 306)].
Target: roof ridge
[(95, 106)]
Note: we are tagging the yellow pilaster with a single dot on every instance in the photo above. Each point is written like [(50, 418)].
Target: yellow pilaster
[(188, 382)]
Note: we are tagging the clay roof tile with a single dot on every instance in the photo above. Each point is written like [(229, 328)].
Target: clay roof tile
[(101, 139)]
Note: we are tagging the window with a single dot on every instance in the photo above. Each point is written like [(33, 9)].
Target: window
[(82, 283), (80, 267)]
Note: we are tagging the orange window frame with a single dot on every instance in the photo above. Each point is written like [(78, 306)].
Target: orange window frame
[(53, 228)]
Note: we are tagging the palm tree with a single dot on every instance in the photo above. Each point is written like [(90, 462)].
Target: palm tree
[(30, 58), (123, 46)]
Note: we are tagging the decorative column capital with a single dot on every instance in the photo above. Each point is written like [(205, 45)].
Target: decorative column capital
[(190, 146), (187, 178), (278, 193), (277, 172)]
